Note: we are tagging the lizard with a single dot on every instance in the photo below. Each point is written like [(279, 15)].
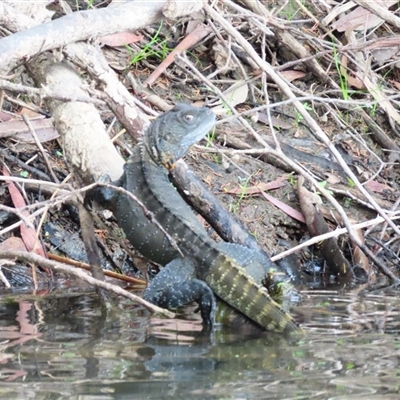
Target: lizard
[(231, 271)]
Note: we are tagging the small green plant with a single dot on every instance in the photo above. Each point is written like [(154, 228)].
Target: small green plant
[(243, 184), (291, 179), (225, 107), (373, 110), (347, 202), (90, 4), (299, 117), (24, 174), (350, 182), (254, 234), (164, 50), (290, 11), (150, 49), (216, 158), (210, 137), (323, 185), (344, 85)]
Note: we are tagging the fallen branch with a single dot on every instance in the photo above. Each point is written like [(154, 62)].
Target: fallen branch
[(63, 31)]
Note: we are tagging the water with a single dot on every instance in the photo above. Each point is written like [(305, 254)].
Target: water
[(60, 347)]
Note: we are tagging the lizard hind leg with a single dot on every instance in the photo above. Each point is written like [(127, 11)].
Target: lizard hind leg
[(176, 285)]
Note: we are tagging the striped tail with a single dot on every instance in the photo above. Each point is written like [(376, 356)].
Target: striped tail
[(233, 285)]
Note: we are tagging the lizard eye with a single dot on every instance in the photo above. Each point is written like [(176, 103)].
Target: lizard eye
[(188, 117)]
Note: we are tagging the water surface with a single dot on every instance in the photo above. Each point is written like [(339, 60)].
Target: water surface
[(61, 347)]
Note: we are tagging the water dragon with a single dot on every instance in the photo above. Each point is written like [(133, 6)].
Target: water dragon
[(233, 272)]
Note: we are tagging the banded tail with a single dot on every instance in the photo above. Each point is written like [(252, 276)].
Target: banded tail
[(232, 284)]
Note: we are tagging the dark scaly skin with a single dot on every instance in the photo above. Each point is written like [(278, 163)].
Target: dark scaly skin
[(182, 280)]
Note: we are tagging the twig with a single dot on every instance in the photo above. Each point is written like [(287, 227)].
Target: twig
[(355, 103), (40, 147), (335, 233), (19, 213), (147, 213), (56, 266), (72, 194), (4, 279), (46, 93), (34, 181), (312, 123), (86, 267), (25, 166)]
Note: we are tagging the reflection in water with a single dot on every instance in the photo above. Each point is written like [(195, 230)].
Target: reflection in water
[(62, 347)]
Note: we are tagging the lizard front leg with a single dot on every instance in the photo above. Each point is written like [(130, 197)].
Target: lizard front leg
[(176, 285)]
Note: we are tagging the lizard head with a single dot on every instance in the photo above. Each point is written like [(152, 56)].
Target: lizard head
[(169, 137)]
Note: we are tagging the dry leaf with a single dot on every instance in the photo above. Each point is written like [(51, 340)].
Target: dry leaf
[(120, 39), (43, 127), (360, 18), (285, 208), (260, 187), (277, 122), (355, 82), (28, 234), (332, 179), (377, 187), (292, 74), (384, 54), (236, 94), (395, 83), (13, 243)]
